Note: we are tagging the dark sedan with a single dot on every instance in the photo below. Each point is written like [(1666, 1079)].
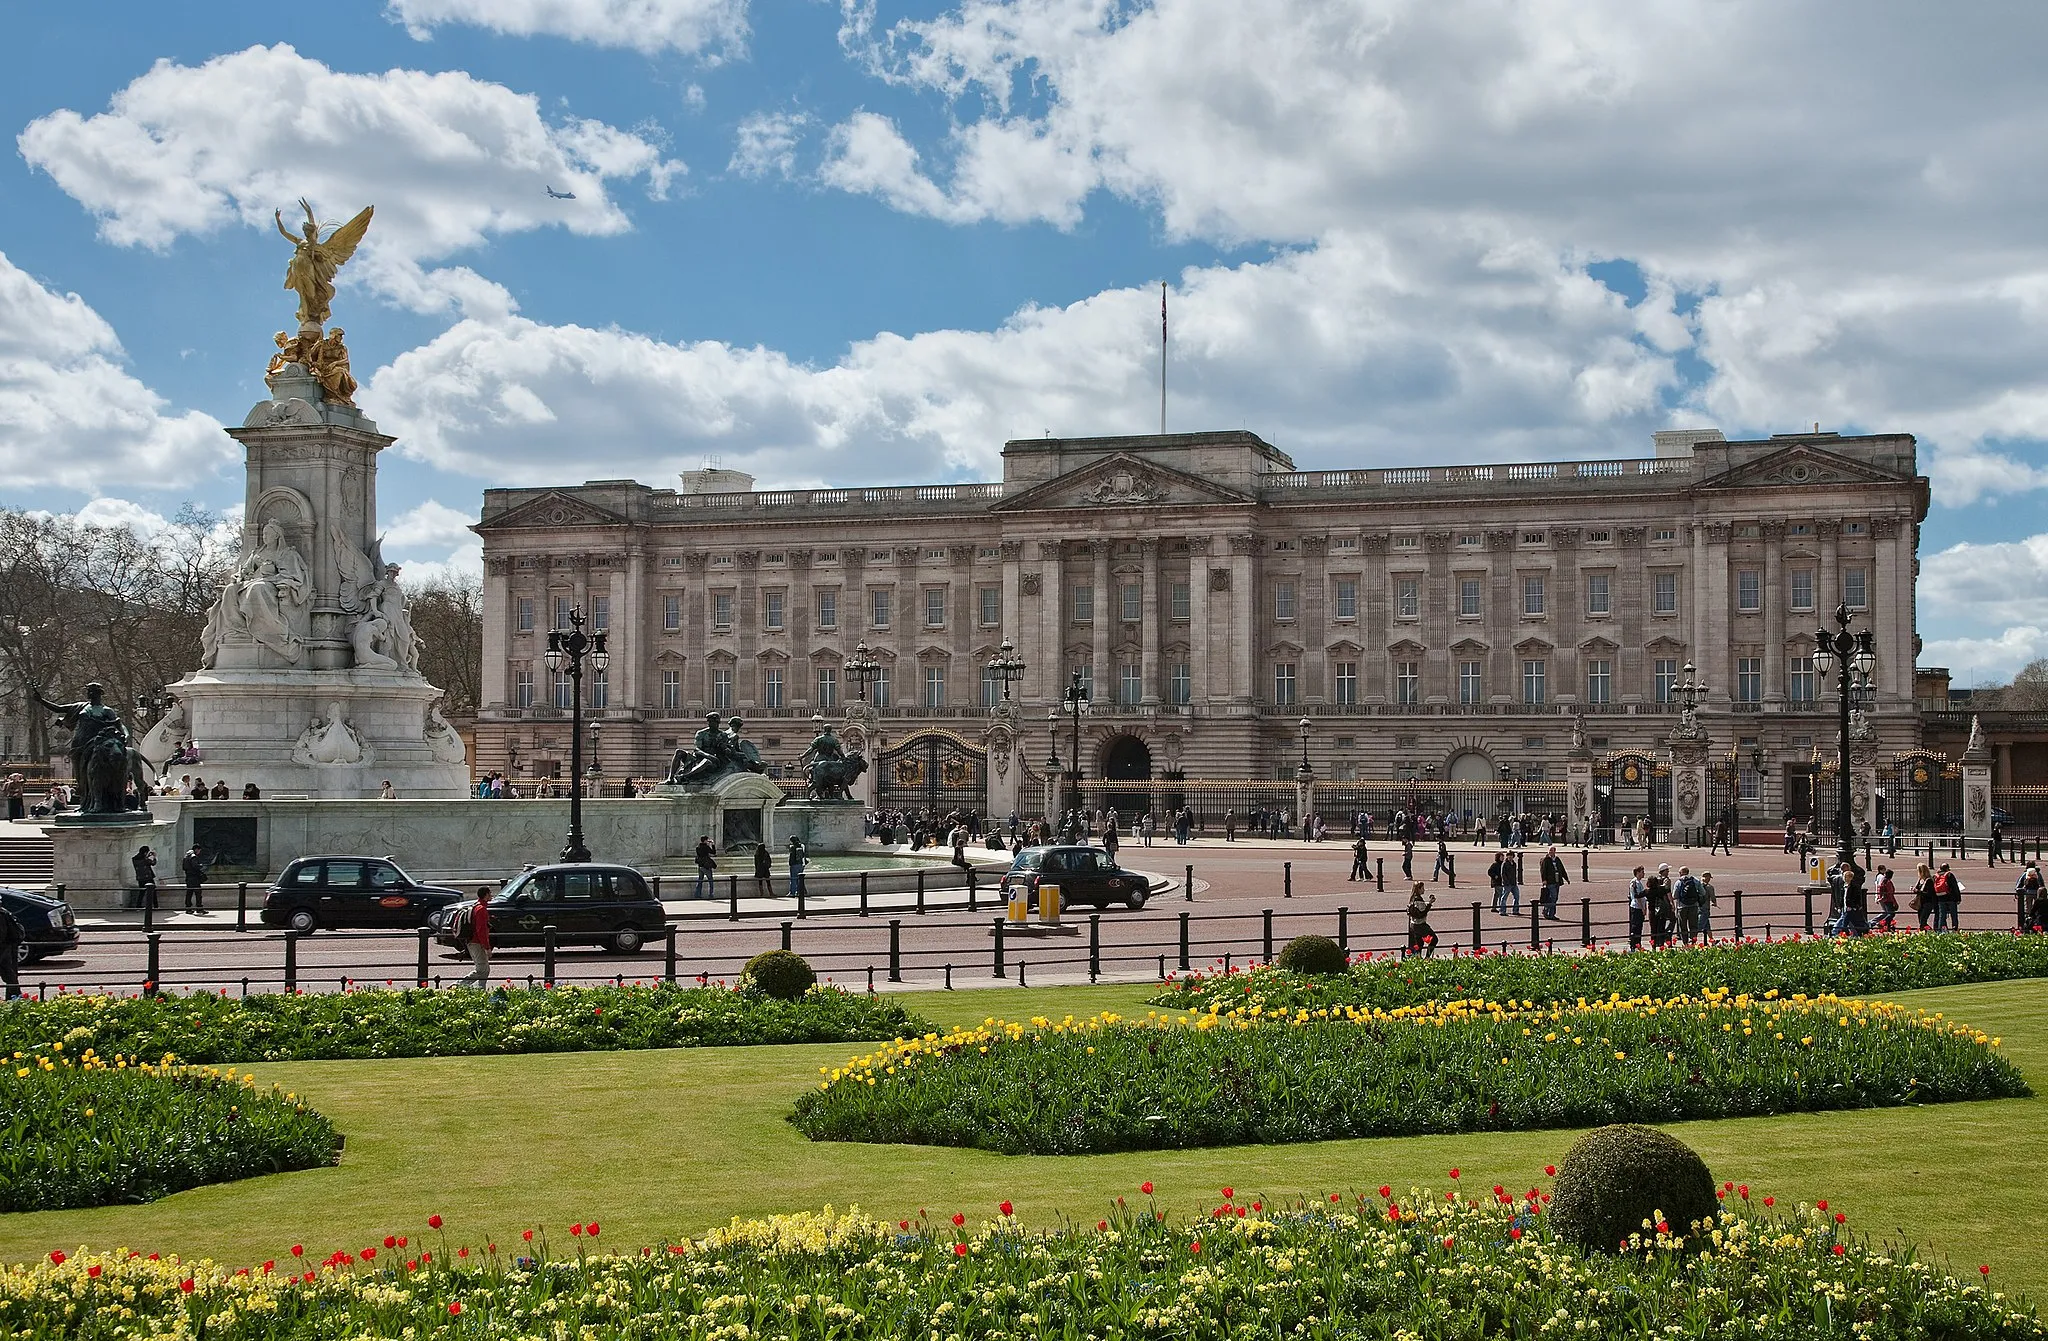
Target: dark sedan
[(316, 892), (1085, 875), (47, 925), (585, 903)]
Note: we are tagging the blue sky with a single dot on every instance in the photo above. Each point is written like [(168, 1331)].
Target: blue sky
[(867, 241)]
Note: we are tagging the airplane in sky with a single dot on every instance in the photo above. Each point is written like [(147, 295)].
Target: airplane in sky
[(553, 194)]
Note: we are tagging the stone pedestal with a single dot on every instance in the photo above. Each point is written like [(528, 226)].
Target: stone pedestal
[(322, 734), (1689, 784), (824, 826), (94, 862), (1578, 794), (737, 811), (1976, 763)]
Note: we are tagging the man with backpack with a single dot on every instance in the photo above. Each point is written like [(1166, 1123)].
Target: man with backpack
[(194, 867), (707, 867), (2033, 899), (469, 927), (1361, 860), (1552, 874), (1688, 896), (1948, 900), (1663, 916)]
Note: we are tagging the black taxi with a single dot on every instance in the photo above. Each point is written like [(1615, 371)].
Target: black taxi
[(316, 892), (587, 903), (1085, 875)]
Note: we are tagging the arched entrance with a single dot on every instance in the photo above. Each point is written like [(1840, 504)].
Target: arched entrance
[(1471, 767), (1127, 759)]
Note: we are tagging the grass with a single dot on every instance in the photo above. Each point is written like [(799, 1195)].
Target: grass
[(655, 1143)]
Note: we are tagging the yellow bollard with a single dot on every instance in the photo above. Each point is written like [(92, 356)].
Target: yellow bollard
[(1049, 905), (1020, 903)]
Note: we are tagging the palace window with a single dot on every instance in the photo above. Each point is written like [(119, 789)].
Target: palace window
[(721, 686), (1084, 604), (721, 611), (935, 607), (771, 687), (878, 609), (1597, 601), (1408, 598), (991, 687), (1534, 671), (1599, 681), (1749, 784), (1283, 600), (600, 613), (1802, 684), (1283, 683), (565, 690), (563, 605), (1749, 590), (1408, 682), (1856, 588), (522, 689), (1347, 684), (1468, 598), (771, 610), (1665, 589), (1182, 604), (671, 691), (1802, 589), (1180, 685), (1471, 685), (991, 606), (934, 686), (1131, 599), (526, 614), (1749, 679), (1130, 684), (1407, 542), (828, 688), (1347, 599), (882, 689), (828, 608), (1532, 595), (1087, 670), (600, 689), (1664, 675), (671, 612), (1664, 533)]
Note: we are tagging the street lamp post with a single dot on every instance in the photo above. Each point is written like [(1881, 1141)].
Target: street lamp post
[(512, 767), (1507, 778), (567, 651), (596, 763), (1856, 654), (1007, 667), (1305, 727), (150, 703), (1074, 700), (862, 669), (1429, 776)]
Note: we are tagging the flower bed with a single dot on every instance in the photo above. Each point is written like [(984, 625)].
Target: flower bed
[(1249, 1076), (81, 1130), (1860, 966), (329, 1026), (1420, 1265)]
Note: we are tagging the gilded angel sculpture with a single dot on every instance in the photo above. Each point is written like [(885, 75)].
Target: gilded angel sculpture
[(315, 259)]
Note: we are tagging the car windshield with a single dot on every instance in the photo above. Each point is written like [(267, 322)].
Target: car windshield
[(532, 885), (395, 870), (1027, 861)]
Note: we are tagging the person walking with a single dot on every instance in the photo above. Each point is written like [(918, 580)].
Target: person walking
[(194, 867), (1923, 894), (1446, 864), (1110, 840), (1887, 901), (1707, 900), (1511, 883), (1496, 882), (1855, 920), (1407, 858), (764, 873), (387, 792), (1638, 907), (1551, 872), (1948, 900), (798, 860), (707, 867), (144, 862), (1421, 935), (1996, 852), (16, 792), (1686, 895), (11, 936), (472, 931), (1361, 861)]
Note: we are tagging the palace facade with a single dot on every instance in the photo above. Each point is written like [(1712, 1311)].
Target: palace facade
[(1440, 622)]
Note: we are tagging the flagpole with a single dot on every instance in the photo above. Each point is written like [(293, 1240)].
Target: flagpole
[(1162, 358)]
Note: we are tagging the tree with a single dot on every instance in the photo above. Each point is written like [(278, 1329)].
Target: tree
[(448, 615), (2028, 691)]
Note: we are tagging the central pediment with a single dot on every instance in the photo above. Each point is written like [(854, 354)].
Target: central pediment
[(1122, 480)]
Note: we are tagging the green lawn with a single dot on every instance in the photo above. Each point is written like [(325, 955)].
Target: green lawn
[(666, 1143)]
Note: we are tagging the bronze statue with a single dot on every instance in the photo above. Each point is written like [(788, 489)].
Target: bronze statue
[(329, 365), (290, 349), (716, 751), (316, 259), (102, 759)]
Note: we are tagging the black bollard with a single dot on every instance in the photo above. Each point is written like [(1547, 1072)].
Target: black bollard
[(1535, 924), (1583, 859), (732, 900), (1586, 923), (1344, 930), (1380, 874), (1188, 888), (1267, 918), (788, 930), (1809, 912), (803, 895), (1184, 942), (426, 938), (1478, 940), (1286, 879), (1738, 914), (920, 894), (895, 949), (999, 949), (1094, 946), (973, 890), (657, 887), (864, 893), (291, 961), (668, 952), (547, 955), (242, 906), (153, 973)]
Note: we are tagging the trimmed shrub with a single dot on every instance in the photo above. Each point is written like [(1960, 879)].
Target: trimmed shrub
[(1312, 954), (1615, 1178), (782, 974)]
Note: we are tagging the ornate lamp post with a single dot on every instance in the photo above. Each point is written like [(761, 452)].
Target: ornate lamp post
[(512, 765), (567, 651), (1507, 778), (1305, 726), (1429, 776), (862, 668), (1857, 655), (1006, 666), (1074, 700), (150, 703)]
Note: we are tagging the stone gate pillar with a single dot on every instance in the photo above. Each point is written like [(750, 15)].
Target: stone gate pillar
[(1578, 774), (1689, 746), (1977, 784)]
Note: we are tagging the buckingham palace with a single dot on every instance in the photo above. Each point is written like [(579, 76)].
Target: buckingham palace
[(1231, 619)]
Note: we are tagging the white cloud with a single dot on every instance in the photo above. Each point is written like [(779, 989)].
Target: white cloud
[(1993, 599), (74, 417), (1839, 198), (765, 144), (430, 525), (448, 160), (648, 26), (1985, 661), (1350, 350)]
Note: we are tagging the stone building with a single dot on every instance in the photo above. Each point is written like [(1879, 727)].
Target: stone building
[(1438, 622)]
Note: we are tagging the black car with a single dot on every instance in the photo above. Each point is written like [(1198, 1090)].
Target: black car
[(47, 926), (586, 903), (1085, 875), (315, 892)]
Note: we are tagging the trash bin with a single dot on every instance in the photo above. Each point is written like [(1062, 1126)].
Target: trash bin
[(1020, 902), (1049, 905)]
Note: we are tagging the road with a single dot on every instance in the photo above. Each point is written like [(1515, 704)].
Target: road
[(1245, 895)]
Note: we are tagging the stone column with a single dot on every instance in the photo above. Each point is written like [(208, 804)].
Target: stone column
[(1244, 616), (1891, 594), (1503, 606), (1104, 619), (497, 613), (1051, 661), (1828, 594), (1013, 626), (904, 630), (1372, 628), (1976, 763), (1200, 682), (746, 620), (1567, 606), (1776, 598), (1438, 684), (1862, 773), (1314, 622), (1709, 651), (1153, 616)]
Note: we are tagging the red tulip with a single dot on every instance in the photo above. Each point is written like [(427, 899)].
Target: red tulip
[(56, 1259), (591, 1229), (1386, 1191), (1334, 1196), (1840, 1250), (1195, 1247), (959, 1250), (434, 1222), (1450, 1243), (1454, 1173), (958, 1219), (527, 1235), (1550, 1171), (454, 1307), (1228, 1194), (1743, 1191), (369, 1253), (462, 1252), (1983, 1270), (1515, 1233), (1101, 1226), (1004, 1207), (576, 1230), (1146, 1188), (187, 1285), (390, 1242), (298, 1250), (1840, 1217), (1820, 1205)]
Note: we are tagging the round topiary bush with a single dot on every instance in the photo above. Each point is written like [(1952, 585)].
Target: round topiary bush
[(1614, 1178), (782, 974), (1313, 954)]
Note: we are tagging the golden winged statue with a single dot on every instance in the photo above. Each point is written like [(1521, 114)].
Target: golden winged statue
[(315, 259)]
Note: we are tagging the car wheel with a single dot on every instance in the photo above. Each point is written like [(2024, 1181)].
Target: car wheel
[(1135, 900), (302, 921), (627, 940)]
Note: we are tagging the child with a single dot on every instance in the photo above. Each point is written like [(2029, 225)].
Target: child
[(1421, 936)]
